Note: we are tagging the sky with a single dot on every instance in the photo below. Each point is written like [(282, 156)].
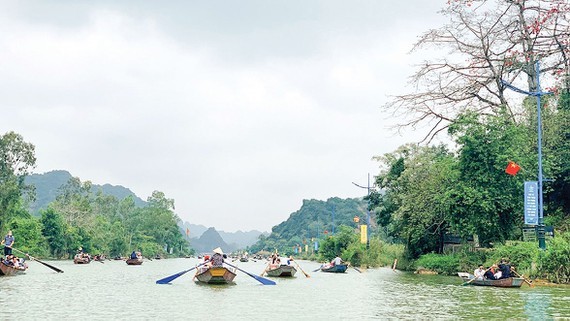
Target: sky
[(237, 110)]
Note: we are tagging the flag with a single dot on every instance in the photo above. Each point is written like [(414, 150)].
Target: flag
[(363, 234), (512, 168), (187, 231)]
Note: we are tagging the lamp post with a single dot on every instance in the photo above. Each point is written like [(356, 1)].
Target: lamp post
[(537, 94), (367, 211)]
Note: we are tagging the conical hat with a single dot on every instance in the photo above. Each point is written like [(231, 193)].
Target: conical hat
[(218, 250)]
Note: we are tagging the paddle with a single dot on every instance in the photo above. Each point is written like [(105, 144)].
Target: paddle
[(475, 277), (300, 268), (262, 280), (317, 270), (167, 279), (354, 267), (43, 263), (265, 269), (520, 276)]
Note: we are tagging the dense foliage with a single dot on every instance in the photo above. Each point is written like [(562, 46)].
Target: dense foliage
[(81, 216), (314, 221)]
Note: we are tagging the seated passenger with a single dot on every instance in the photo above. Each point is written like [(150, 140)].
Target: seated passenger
[(490, 274)]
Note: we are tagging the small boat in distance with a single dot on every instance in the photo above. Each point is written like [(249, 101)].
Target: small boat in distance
[(82, 258), (282, 271), (502, 283), (338, 268), (135, 261)]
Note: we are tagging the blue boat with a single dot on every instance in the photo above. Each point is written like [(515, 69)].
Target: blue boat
[(340, 268)]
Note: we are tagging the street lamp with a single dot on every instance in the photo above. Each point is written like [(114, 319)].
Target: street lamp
[(537, 94), (367, 211)]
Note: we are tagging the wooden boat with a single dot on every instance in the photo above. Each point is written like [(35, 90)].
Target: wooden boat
[(339, 268), (136, 261), (81, 259), (282, 271), (502, 283), (8, 270), (215, 275)]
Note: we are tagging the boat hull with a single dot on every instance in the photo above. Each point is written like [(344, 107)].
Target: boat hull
[(501, 283), (10, 270), (216, 275), (282, 271), (341, 268), (84, 260), (134, 261)]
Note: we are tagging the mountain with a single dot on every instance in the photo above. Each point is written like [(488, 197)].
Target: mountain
[(235, 240), (315, 219), (208, 241), (48, 184), (240, 239), (195, 231)]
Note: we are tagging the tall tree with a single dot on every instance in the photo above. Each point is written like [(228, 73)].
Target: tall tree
[(417, 204), (17, 159), (487, 41)]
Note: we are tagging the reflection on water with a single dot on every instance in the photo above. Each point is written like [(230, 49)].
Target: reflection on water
[(118, 291), (537, 304)]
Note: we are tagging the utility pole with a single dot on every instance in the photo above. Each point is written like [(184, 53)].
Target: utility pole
[(367, 211), (537, 94)]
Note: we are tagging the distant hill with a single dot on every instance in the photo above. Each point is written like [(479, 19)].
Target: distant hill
[(195, 230), (208, 241), (313, 220), (48, 184), (234, 240), (240, 239)]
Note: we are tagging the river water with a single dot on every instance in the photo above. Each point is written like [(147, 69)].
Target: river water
[(114, 290)]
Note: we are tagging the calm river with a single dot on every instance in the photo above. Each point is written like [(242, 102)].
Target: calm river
[(114, 290)]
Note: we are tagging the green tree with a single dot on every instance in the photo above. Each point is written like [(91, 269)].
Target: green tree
[(488, 201), (53, 229), (17, 158), (336, 244), (418, 184), (28, 234)]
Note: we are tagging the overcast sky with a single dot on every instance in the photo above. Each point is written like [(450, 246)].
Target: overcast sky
[(237, 110)]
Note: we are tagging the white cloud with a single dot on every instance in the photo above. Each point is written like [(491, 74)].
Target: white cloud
[(238, 132)]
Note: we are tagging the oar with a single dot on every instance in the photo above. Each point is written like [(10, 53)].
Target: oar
[(297, 264), (475, 277), (354, 267), (44, 263), (317, 270), (262, 280), (265, 269), (520, 276), (167, 279)]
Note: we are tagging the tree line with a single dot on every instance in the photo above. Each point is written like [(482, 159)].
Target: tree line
[(79, 216)]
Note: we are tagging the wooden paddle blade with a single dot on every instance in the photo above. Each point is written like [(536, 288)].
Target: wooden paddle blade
[(260, 279), (173, 277), (167, 279), (44, 263), (49, 266), (297, 264)]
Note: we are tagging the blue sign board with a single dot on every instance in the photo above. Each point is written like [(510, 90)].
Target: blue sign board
[(531, 203)]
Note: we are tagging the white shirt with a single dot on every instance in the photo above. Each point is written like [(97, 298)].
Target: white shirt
[(479, 273), (337, 261)]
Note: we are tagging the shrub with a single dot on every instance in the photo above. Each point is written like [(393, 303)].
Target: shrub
[(520, 254), (555, 263), (443, 264)]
